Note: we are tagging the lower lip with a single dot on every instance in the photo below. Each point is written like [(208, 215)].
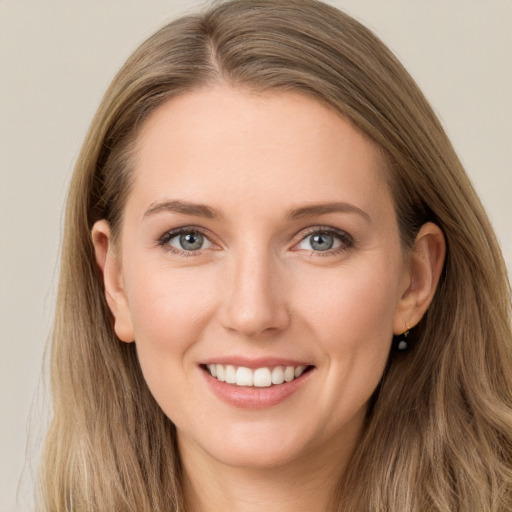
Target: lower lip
[(253, 397)]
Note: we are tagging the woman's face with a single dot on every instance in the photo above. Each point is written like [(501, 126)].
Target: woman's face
[(259, 236)]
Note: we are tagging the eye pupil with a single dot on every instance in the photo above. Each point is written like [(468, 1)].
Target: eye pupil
[(191, 241), (322, 241)]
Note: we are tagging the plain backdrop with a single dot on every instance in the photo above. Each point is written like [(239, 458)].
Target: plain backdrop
[(56, 60)]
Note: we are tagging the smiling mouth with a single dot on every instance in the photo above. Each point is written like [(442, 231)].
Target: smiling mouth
[(263, 377)]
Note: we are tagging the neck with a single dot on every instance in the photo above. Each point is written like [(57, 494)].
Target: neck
[(303, 485)]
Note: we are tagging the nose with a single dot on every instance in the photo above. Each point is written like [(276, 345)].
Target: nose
[(255, 300)]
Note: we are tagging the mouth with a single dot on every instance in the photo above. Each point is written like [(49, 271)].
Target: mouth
[(262, 377)]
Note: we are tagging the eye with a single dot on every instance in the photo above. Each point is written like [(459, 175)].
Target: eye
[(324, 240), (186, 240)]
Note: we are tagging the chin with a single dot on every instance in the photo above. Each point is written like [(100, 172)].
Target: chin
[(261, 457), (258, 445)]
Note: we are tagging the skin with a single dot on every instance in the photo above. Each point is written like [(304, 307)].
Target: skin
[(258, 288)]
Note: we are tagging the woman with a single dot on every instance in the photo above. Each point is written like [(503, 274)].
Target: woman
[(279, 290)]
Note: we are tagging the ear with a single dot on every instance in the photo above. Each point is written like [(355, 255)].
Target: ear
[(110, 267), (426, 260)]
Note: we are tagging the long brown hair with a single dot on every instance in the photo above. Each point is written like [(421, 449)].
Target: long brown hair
[(439, 432)]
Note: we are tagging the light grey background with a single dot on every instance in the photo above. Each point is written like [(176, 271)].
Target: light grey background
[(57, 58)]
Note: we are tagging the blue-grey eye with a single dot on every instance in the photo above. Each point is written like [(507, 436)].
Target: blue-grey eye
[(189, 241), (320, 241)]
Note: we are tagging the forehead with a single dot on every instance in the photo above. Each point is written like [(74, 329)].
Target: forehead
[(221, 144)]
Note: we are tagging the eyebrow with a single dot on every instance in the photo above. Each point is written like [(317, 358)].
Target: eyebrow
[(201, 210), (325, 208), (183, 207)]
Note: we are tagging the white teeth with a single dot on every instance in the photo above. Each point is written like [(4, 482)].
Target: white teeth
[(289, 373), (299, 371), (260, 377), (244, 377), (230, 374), (278, 375)]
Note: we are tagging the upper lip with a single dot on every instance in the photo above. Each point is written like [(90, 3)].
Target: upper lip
[(253, 363)]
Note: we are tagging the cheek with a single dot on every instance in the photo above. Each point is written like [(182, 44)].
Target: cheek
[(169, 309), (354, 306), (350, 314), (166, 304)]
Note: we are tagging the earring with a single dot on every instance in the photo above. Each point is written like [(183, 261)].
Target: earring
[(401, 343)]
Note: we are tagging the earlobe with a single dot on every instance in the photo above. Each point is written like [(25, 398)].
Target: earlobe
[(110, 267), (426, 262)]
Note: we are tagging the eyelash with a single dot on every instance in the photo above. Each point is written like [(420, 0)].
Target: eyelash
[(346, 241), (164, 240)]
